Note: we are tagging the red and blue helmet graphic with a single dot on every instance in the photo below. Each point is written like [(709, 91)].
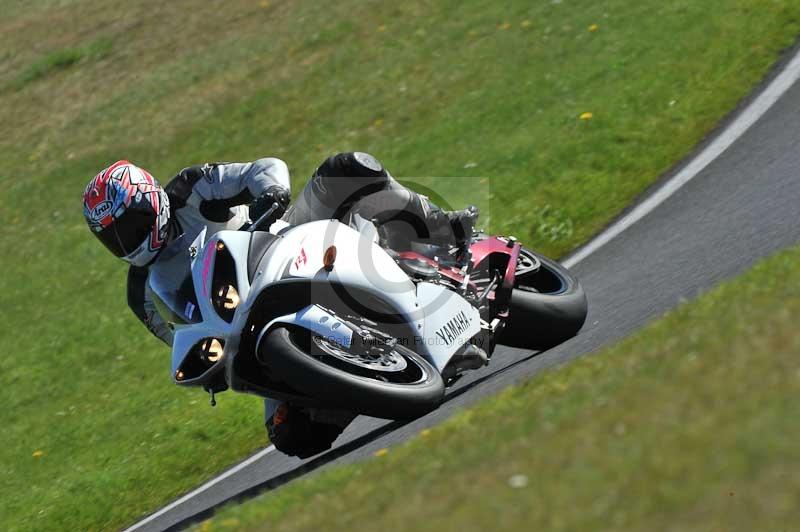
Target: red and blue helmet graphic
[(128, 211)]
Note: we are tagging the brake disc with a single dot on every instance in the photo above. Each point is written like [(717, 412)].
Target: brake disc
[(376, 357)]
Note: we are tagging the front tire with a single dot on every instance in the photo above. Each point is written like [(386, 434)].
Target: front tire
[(548, 306), (302, 361)]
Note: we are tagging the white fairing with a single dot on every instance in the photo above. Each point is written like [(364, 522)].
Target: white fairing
[(359, 262), (212, 325), (449, 322), (442, 320), (317, 320)]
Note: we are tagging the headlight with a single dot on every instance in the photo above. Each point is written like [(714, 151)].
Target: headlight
[(224, 293), (203, 356), (212, 350), (227, 297)]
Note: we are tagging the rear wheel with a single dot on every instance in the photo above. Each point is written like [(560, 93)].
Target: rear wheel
[(375, 377), (548, 304)]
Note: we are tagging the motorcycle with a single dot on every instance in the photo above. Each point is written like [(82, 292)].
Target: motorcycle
[(325, 314)]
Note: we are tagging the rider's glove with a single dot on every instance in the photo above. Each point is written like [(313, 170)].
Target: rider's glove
[(274, 194)]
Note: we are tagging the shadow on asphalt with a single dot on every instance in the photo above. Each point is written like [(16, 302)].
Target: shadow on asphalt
[(336, 452)]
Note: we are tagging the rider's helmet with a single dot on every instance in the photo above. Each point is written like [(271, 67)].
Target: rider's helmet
[(128, 211)]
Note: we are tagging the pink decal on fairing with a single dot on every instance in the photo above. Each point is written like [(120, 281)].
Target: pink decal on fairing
[(301, 259), (207, 266)]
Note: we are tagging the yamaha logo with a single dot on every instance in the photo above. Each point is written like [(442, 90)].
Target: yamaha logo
[(453, 328)]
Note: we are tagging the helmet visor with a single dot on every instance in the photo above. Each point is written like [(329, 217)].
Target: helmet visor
[(128, 232)]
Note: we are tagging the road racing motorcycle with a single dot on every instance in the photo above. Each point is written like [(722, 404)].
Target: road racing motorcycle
[(325, 314)]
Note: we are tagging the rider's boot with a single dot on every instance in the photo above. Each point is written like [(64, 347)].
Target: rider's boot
[(303, 432), (462, 224)]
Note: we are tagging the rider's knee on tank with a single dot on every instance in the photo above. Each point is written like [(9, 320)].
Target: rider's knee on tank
[(353, 164), (344, 178)]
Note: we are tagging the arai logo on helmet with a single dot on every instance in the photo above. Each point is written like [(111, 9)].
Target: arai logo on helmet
[(101, 210)]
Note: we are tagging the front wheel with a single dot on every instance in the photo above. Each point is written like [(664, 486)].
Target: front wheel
[(379, 380), (548, 304)]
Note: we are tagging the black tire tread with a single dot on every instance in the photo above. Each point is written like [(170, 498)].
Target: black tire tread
[(344, 390), (540, 321)]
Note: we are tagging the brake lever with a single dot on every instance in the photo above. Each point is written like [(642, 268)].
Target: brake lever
[(264, 217)]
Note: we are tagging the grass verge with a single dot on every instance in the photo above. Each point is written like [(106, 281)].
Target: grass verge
[(98, 436), (62, 59), (694, 430)]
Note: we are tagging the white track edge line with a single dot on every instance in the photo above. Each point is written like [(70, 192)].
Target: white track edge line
[(235, 469), (749, 116), (755, 110)]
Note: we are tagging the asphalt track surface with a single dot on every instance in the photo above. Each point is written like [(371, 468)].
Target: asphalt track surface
[(744, 205)]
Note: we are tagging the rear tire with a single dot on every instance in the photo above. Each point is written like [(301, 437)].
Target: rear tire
[(547, 307), (327, 378)]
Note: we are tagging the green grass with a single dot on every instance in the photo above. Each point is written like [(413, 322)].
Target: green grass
[(464, 89), (695, 430), (57, 60)]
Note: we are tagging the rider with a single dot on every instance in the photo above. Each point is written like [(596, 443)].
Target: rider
[(135, 218)]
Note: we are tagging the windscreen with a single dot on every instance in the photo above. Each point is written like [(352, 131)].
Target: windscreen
[(170, 284)]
